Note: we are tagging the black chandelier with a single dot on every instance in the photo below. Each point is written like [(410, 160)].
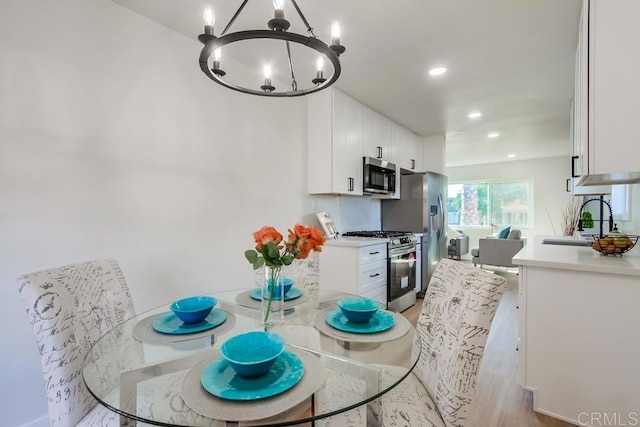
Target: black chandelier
[(210, 56)]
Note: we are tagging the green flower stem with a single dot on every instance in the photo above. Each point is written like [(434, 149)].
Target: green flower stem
[(272, 286)]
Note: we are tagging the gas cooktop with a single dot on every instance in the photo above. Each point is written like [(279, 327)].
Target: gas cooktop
[(377, 233)]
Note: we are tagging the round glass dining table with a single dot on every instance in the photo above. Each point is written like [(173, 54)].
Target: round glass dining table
[(177, 377)]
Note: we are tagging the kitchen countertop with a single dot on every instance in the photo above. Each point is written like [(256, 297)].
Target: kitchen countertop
[(577, 258), (356, 242)]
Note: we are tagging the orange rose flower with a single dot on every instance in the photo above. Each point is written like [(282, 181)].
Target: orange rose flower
[(300, 242), (265, 235)]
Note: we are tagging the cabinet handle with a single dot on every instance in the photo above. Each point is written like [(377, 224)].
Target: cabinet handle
[(568, 186), (350, 180), (374, 253), (573, 166), (413, 164), (379, 152), (374, 275)]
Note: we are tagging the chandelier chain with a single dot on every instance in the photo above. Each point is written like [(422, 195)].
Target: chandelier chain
[(309, 29), (294, 83), (233, 19)]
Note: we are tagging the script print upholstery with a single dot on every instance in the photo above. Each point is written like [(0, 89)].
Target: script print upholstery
[(69, 308), (453, 326)]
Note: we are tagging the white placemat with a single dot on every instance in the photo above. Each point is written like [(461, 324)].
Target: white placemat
[(143, 330), (244, 299), (211, 406), (399, 328)]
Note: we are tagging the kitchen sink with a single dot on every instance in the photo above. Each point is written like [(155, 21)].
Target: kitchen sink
[(566, 242)]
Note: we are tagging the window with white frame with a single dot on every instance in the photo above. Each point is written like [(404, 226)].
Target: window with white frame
[(491, 203), (621, 202)]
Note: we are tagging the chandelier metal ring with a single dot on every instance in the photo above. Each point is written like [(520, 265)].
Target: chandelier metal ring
[(211, 43)]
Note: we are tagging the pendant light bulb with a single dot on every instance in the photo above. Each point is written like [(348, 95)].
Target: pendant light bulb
[(278, 4), (217, 54), (266, 71), (335, 31), (319, 63), (209, 16)]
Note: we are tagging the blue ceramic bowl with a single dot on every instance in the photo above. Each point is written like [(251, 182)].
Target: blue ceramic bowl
[(252, 354), (358, 309), (193, 309), (286, 283)]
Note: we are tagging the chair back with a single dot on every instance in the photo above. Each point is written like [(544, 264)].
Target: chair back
[(458, 308), (514, 234), (69, 308)]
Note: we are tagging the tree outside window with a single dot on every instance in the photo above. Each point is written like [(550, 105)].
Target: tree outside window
[(491, 203)]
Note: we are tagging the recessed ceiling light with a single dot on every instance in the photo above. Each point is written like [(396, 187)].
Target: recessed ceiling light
[(475, 115), (511, 156), (438, 71), (493, 135)]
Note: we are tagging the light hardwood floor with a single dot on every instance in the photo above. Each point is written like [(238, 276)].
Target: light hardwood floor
[(500, 401)]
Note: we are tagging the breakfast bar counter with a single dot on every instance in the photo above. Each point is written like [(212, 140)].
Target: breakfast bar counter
[(579, 313), (577, 258)]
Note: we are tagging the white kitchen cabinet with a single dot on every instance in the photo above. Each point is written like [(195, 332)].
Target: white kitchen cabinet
[(334, 144), (608, 93), (377, 138), (572, 185), (578, 324), (410, 149), (355, 270)]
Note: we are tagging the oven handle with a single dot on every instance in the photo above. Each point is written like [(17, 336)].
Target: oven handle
[(401, 251)]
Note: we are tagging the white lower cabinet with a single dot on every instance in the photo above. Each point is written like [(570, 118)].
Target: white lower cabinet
[(355, 270), (578, 343)]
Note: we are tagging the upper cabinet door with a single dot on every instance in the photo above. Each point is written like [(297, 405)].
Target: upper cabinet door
[(377, 136), (614, 77), (334, 144), (607, 93), (410, 146)]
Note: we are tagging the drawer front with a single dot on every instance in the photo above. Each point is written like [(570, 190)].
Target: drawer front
[(379, 294), (372, 276), (372, 253)]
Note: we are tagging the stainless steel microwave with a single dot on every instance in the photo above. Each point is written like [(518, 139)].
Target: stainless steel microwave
[(379, 176)]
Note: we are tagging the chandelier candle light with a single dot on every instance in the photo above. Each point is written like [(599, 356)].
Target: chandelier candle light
[(273, 255), (278, 26)]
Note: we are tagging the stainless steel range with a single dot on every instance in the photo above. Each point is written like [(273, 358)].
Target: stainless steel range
[(402, 266)]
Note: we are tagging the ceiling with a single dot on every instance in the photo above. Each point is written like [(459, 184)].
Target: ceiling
[(512, 60)]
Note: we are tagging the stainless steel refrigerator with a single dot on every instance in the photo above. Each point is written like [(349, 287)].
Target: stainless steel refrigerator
[(422, 208)]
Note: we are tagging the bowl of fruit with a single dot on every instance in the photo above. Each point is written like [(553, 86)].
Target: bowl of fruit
[(614, 243)]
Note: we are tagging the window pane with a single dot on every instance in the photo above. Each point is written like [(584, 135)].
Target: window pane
[(468, 204), (491, 203), (509, 204)]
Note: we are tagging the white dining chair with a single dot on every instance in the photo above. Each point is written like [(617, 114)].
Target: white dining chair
[(69, 308), (453, 326)]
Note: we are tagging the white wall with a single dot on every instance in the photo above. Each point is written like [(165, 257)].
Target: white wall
[(114, 144), (550, 197), (350, 213), (434, 153)]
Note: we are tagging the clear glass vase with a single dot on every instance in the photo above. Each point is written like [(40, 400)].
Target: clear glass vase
[(272, 298)]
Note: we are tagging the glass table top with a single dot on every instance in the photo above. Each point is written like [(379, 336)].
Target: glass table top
[(157, 377)]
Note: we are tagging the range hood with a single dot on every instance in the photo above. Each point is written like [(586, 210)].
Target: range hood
[(574, 187), (610, 178)]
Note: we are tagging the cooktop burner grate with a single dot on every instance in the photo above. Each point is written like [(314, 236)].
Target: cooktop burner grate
[(377, 233)]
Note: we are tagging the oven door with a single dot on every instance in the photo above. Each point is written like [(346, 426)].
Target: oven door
[(402, 271)]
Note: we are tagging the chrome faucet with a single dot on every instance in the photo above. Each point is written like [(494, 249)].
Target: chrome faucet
[(602, 202)]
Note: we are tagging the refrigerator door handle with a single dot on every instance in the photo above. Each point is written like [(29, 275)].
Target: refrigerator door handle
[(441, 225)]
